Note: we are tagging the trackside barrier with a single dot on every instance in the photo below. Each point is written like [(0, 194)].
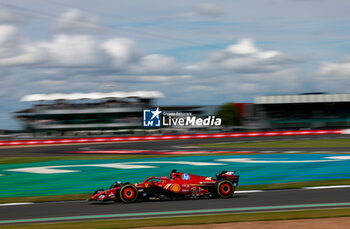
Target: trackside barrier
[(170, 137)]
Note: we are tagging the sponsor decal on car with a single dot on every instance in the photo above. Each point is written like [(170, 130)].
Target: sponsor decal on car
[(167, 186), (207, 182), (185, 176), (175, 188)]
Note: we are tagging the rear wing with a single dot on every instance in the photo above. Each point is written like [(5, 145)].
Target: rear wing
[(228, 176)]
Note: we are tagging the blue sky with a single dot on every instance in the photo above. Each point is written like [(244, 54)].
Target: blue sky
[(194, 52)]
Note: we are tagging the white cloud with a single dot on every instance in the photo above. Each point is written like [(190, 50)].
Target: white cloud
[(61, 51), (29, 56), (146, 78), (155, 63), (243, 47), (121, 50), (334, 77), (245, 57), (247, 47), (76, 21), (76, 50), (209, 10), (8, 40), (12, 50), (71, 51), (241, 71), (335, 70)]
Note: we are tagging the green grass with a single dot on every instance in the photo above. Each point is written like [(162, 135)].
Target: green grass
[(85, 196), (38, 199), (193, 220), (288, 143)]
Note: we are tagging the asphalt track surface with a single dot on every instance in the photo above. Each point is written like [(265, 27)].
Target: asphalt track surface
[(241, 202)]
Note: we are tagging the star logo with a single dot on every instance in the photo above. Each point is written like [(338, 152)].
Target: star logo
[(151, 117), (156, 113)]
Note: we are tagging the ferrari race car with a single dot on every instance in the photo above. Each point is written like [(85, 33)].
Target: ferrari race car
[(178, 186)]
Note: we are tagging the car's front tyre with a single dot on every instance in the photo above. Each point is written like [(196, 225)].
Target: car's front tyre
[(128, 193)]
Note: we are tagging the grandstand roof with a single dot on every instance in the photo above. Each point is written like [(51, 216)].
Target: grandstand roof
[(304, 98), (94, 95)]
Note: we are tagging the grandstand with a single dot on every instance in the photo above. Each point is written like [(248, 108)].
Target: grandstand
[(64, 113), (304, 111)]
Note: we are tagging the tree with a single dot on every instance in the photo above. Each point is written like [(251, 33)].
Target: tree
[(229, 115)]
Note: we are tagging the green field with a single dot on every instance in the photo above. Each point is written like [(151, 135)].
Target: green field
[(283, 144)]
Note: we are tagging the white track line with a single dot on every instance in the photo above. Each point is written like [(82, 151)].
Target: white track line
[(292, 151), (326, 187), (249, 191), (12, 204)]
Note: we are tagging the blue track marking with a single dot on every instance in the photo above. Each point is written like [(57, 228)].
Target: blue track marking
[(81, 177)]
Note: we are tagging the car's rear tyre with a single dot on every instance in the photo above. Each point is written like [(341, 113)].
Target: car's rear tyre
[(224, 189), (128, 193)]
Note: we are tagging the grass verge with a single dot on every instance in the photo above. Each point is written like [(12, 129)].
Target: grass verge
[(287, 143), (194, 220), (85, 196), (38, 199)]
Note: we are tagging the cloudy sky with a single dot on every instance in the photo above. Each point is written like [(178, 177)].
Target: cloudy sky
[(194, 52)]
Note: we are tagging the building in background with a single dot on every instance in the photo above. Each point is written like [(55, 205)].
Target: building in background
[(303, 111), (85, 113)]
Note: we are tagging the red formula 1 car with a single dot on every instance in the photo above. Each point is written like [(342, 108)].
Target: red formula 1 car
[(178, 186)]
